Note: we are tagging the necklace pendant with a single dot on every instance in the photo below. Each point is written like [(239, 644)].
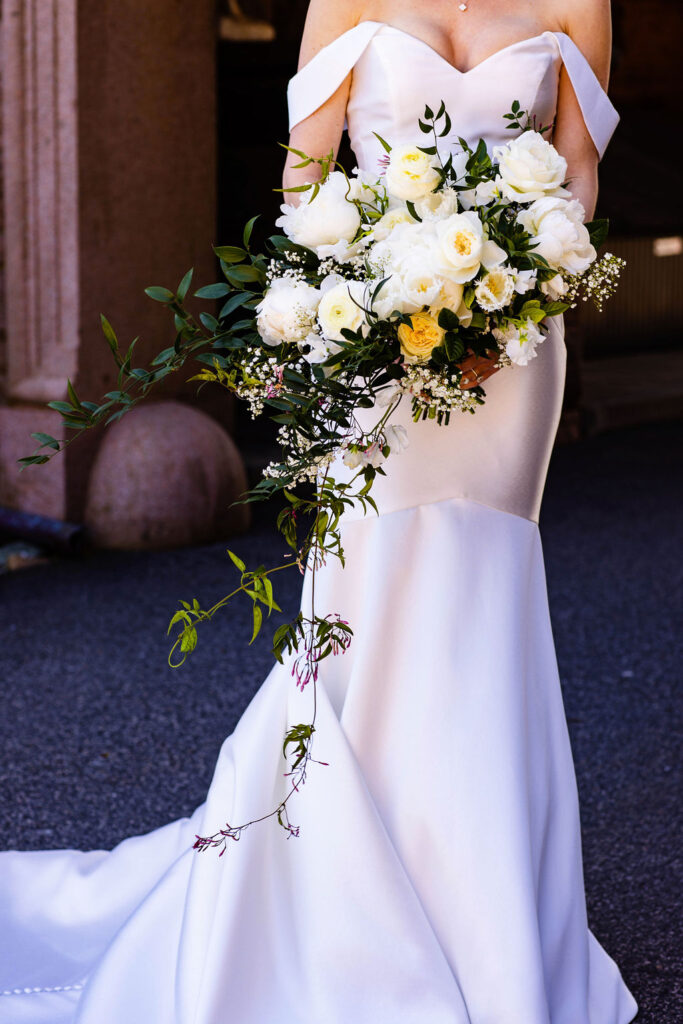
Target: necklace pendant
[(462, 7)]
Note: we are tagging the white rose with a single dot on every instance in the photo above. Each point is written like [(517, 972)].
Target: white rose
[(420, 284), (287, 311), (342, 308), (403, 236), (463, 247), (437, 205), (328, 219), (316, 349), (524, 281), (450, 295), (482, 195), (386, 223), (390, 298), (396, 437), (410, 173), (555, 288), (559, 234), (530, 168), (520, 342), (495, 290)]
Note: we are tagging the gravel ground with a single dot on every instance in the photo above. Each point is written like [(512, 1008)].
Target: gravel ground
[(102, 740)]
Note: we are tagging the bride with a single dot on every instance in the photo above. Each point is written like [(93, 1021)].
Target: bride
[(437, 878)]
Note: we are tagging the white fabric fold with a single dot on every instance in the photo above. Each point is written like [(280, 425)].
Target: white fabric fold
[(437, 877), (599, 114), (324, 73), (393, 50)]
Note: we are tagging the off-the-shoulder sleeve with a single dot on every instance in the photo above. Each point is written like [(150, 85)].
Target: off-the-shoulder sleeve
[(598, 112), (322, 76)]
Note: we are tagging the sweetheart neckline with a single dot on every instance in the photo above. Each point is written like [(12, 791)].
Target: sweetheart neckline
[(444, 60)]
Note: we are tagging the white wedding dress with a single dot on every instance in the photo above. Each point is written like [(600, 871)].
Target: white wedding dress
[(437, 878)]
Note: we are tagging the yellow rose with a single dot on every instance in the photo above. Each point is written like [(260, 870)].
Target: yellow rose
[(418, 341)]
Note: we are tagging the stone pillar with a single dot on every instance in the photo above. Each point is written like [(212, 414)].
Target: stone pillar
[(109, 186)]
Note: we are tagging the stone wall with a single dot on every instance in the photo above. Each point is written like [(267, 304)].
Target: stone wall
[(109, 176)]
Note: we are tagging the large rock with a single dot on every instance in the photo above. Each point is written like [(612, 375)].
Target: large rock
[(165, 475)]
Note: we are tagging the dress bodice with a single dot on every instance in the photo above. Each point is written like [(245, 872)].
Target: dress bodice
[(395, 74), (500, 456)]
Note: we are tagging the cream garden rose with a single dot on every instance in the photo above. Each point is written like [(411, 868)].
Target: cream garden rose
[(326, 220), (464, 248), (287, 311), (388, 221), (419, 283), (559, 234), (495, 290), (418, 341), (341, 308), (437, 205), (410, 174), (530, 168)]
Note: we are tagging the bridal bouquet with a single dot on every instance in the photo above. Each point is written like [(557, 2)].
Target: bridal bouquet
[(381, 288)]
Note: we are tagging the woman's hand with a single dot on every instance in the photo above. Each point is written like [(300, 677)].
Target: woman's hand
[(477, 369)]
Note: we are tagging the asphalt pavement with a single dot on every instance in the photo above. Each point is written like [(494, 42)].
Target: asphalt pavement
[(100, 739)]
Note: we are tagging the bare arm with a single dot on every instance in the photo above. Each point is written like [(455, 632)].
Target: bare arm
[(588, 22), (321, 131)]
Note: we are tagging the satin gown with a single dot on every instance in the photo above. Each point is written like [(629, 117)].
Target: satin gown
[(437, 878)]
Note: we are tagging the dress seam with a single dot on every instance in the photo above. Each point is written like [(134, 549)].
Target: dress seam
[(440, 501)]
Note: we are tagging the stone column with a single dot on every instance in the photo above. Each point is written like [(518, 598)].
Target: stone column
[(109, 186)]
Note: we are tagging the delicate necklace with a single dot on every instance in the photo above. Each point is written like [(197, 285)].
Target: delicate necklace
[(462, 7)]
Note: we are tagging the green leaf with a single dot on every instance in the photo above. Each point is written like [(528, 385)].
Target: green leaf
[(213, 291), (162, 357), (244, 272), (73, 396), (233, 303), (178, 617), (555, 308), (383, 143), (598, 231), (33, 460), (237, 561), (448, 319), (109, 333), (412, 211), (46, 440), (248, 228), (189, 639), (184, 285), (258, 619), (230, 253), (159, 294), (209, 321)]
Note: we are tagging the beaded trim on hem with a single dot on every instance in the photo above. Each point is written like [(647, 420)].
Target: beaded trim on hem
[(53, 988)]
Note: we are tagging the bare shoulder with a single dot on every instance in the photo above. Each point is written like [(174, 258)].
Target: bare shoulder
[(589, 23), (325, 21)]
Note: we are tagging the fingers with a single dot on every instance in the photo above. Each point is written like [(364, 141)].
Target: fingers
[(477, 369)]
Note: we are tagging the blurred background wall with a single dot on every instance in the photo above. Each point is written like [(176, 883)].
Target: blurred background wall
[(129, 131)]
